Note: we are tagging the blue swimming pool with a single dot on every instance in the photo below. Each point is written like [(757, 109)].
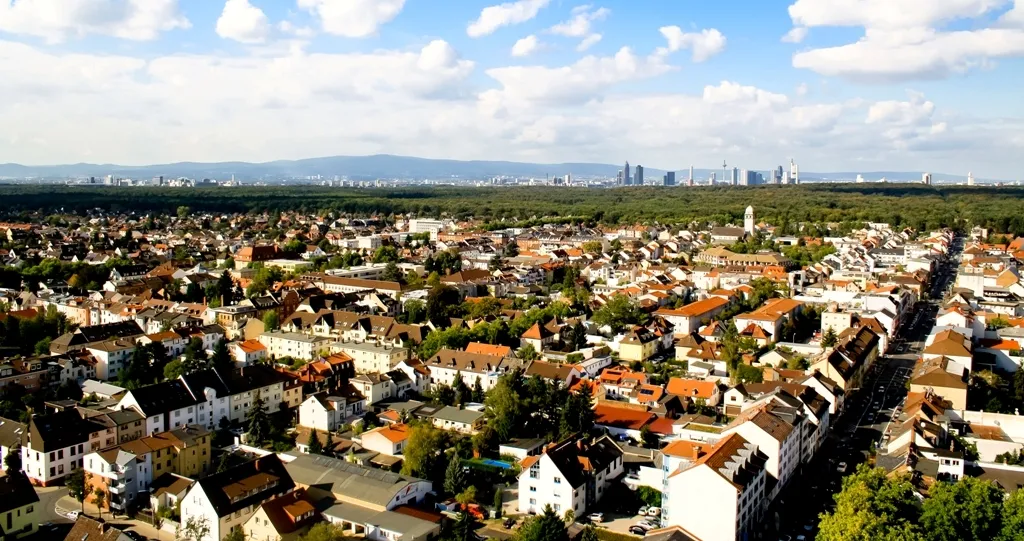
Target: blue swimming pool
[(496, 463)]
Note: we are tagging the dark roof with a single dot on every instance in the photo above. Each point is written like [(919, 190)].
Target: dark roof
[(121, 329), (576, 459), (52, 431), (15, 492), (12, 433), (163, 397), (260, 479)]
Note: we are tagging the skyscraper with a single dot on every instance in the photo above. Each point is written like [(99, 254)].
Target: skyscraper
[(626, 179), (735, 175), (794, 171), (779, 175), (638, 178), (670, 178), (744, 178), (690, 179), (970, 179), (926, 179)]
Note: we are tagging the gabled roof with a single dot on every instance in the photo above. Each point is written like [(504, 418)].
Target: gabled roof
[(622, 417), (246, 484), (16, 491), (691, 388)]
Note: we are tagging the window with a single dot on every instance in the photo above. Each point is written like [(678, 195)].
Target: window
[(558, 480), (533, 501), (533, 489)]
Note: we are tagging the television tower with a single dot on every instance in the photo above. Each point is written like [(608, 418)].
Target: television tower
[(724, 166)]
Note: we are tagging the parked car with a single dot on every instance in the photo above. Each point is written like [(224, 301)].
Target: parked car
[(509, 523), (596, 517), (73, 515), (637, 530), (134, 536), (647, 524), (841, 468), (653, 511), (643, 511)]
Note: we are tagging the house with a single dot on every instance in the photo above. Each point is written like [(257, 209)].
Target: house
[(691, 317), (777, 433), (12, 435), (327, 413), (540, 337), (226, 500), (695, 390), (942, 377), (247, 352), (564, 374), (638, 344), (955, 347), (19, 507), (459, 420), (389, 440), (292, 344), (624, 419), (569, 475), (732, 497), (850, 360), (283, 518), (90, 529), (56, 445), (765, 324), (447, 364), (522, 448), (371, 356)]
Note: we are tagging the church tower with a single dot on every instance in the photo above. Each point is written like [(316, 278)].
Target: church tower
[(748, 221)]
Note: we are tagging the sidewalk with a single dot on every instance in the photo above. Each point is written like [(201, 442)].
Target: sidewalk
[(67, 504)]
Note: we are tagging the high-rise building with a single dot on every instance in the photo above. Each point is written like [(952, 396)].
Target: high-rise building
[(970, 179), (670, 178), (779, 174), (860, 179), (638, 177), (690, 179), (735, 175), (712, 178), (794, 172), (926, 179), (618, 178), (626, 179), (744, 178)]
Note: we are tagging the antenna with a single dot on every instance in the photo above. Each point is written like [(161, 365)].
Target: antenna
[(724, 165)]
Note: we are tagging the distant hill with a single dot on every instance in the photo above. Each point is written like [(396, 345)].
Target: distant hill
[(389, 166)]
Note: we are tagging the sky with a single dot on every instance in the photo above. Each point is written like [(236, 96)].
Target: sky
[(837, 85)]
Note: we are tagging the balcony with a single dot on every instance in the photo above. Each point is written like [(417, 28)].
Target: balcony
[(118, 488)]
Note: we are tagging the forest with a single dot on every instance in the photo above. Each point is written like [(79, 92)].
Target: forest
[(919, 206)]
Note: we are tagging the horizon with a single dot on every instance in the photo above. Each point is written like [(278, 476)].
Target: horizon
[(885, 88)]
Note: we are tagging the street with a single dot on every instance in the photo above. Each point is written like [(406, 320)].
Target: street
[(865, 418)]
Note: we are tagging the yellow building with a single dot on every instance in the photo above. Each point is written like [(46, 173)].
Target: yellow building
[(184, 451), (19, 507), (638, 344)]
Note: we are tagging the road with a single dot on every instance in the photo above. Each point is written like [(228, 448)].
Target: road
[(865, 417)]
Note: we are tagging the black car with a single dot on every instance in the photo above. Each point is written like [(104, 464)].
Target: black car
[(134, 535), (509, 523), (637, 530)]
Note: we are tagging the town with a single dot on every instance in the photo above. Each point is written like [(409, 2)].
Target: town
[(300, 376)]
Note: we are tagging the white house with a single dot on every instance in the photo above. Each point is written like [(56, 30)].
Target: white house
[(111, 356), (776, 437), (327, 413), (56, 445), (293, 344), (448, 364), (731, 498), (558, 477)]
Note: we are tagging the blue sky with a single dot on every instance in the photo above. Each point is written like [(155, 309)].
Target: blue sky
[(851, 85)]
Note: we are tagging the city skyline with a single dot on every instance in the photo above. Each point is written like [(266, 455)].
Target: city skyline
[(532, 80)]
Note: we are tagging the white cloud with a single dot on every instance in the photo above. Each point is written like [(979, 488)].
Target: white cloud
[(243, 22), (704, 44), (353, 18), (58, 20), (588, 42), (908, 39), (526, 46), (1014, 18), (290, 28), (796, 35), (574, 83), (269, 103), (579, 26), (802, 89), (510, 13)]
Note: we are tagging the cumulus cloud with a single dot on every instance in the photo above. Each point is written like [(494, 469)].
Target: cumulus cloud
[(580, 25), (243, 22), (526, 46), (907, 39), (703, 44), (510, 13), (58, 20), (353, 18), (588, 42)]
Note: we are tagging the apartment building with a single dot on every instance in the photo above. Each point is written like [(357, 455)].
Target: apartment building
[(778, 434), (571, 474), (56, 445), (721, 495), (447, 364)]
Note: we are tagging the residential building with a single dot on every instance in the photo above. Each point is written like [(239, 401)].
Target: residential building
[(371, 357), (19, 507), (247, 352), (90, 529), (447, 364), (282, 519), (389, 440), (226, 500), (691, 317), (778, 434), (56, 444), (365, 489), (292, 344), (732, 495), (459, 420), (329, 412), (570, 475)]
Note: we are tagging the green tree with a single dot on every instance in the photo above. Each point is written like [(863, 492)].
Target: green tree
[(466, 497), (619, 312), (43, 346), (386, 254), (443, 303), (391, 273), (271, 321), (589, 534), (462, 392), (504, 407), (649, 439), (498, 502), (174, 369), (1013, 517), (547, 526), (967, 510), (194, 529), (316, 447), (99, 498), (424, 452), (872, 506), (324, 531), (463, 527), (75, 481), (454, 477), (259, 421), (478, 395), (415, 311), (183, 212), (829, 339), (527, 353), (236, 534), (12, 462), (221, 359), (593, 247), (578, 412), (434, 279)]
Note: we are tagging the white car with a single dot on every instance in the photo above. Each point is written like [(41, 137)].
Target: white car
[(653, 511), (841, 468), (596, 517), (73, 515), (646, 524)]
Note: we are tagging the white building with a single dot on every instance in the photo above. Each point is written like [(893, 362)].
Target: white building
[(776, 433), (293, 344), (448, 364), (721, 496), (55, 446), (558, 478), (327, 413)]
